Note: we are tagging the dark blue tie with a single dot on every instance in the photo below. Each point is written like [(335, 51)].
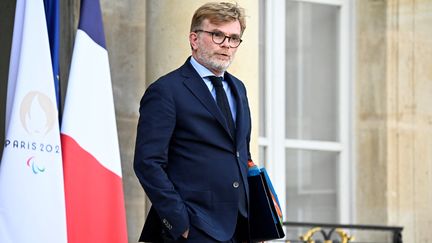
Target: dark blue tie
[(222, 102)]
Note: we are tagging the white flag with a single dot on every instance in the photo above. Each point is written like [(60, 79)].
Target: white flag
[(32, 205)]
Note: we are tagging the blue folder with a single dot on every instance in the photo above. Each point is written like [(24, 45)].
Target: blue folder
[(265, 221)]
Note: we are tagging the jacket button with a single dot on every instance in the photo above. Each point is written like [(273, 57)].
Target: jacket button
[(238, 154), (236, 184)]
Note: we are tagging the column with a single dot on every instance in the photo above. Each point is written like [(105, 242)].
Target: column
[(125, 31)]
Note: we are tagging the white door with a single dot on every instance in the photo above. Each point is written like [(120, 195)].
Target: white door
[(305, 99)]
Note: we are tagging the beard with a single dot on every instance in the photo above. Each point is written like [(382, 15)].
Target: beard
[(213, 61)]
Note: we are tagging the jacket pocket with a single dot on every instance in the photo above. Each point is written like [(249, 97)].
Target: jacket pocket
[(197, 200)]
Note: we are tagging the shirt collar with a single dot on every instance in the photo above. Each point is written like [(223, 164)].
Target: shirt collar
[(202, 71)]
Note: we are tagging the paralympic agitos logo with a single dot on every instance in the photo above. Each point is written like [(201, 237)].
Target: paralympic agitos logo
[(37, 115)]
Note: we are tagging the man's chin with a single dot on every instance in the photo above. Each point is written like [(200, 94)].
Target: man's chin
[(216, 65), (222, 67)]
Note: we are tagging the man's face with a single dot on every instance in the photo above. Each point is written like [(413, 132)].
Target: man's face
[(215, 57)]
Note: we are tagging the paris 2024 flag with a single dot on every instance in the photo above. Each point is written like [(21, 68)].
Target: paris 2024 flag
[(95, 209), (32, 204)]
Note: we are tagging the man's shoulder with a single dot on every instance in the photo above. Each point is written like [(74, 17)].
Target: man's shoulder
[(234, 79), (175, 75)]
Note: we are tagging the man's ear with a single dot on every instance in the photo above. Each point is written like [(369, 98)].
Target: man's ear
[(193, 38)]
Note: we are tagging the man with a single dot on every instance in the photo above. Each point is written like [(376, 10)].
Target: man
[(193, 136)]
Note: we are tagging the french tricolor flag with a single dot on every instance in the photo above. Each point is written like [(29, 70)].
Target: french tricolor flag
[(95, 209)]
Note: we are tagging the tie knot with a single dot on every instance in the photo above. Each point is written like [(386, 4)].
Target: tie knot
[(216, 81)]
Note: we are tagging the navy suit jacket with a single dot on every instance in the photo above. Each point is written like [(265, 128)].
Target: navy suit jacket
[(186, 159)]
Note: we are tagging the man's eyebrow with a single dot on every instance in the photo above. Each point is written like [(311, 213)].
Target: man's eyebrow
[(220, 31), (217, 30)]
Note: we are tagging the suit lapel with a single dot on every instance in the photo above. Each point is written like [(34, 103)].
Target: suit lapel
[(240, 116)]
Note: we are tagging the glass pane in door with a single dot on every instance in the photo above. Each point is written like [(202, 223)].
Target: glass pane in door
[(312, 49), (311, 185)]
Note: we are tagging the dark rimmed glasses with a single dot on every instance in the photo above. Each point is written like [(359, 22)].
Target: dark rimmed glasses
[(219, 37)]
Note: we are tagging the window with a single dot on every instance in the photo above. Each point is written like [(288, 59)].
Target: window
[(305, 107)]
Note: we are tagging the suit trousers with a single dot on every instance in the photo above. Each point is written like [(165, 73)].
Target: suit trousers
[(198, 236)]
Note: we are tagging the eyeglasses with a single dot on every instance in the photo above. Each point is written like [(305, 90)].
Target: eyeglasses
[(219, 37)]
